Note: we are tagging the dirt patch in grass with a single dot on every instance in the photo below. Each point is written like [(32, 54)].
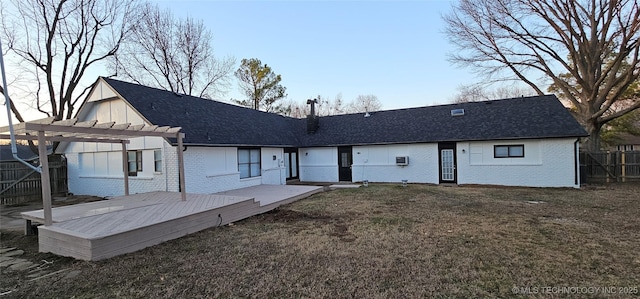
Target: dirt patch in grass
[(43, 263), (285, 215), (384, 241)]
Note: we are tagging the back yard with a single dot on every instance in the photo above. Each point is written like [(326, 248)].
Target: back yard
[(379, 242)]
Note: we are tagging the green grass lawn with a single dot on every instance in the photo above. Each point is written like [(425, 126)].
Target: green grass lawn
[(379, 242)]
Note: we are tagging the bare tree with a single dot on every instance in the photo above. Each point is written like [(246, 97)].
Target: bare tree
[(14, 109), (324, 107), (476, 93), (595, 42), (327, 107), (364, 103), (470, 93), (295, 109), (506, 92), (59, 41), (173, 54)]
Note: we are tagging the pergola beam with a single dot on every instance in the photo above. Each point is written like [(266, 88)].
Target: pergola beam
[(112, 131), (71, 130), (65, 138)]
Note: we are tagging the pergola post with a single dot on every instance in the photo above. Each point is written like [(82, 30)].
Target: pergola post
[(183, 191), (44, 178), (125, 167)]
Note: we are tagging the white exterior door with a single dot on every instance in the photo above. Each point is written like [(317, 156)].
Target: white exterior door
[(446, 162)]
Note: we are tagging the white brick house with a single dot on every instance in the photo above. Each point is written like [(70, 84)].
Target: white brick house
[(528, 141)]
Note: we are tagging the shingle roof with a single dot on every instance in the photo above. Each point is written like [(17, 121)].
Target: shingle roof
[(24, 152), (518, 118), (208, 122)]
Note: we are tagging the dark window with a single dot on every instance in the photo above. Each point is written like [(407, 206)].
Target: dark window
[(508, 151), (134, 162), (345, 160), (249, 162)]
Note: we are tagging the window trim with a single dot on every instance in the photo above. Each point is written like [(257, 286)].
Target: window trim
[(138, 161), (156, 160), (508, 146), (259, 162)]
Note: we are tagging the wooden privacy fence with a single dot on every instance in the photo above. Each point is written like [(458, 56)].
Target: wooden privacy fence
[(19, 183), (610, 166)]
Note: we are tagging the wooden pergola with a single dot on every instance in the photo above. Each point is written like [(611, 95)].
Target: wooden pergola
[(90, 131)]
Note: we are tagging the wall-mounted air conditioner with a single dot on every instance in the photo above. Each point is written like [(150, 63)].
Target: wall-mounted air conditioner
[(402, 161)]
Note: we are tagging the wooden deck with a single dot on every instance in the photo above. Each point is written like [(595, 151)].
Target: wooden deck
[(103, 229)]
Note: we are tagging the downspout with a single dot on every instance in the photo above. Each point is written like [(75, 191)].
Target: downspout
[(576, 162), (7, 103)]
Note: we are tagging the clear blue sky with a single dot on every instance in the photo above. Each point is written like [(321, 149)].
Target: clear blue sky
[(394, 50)]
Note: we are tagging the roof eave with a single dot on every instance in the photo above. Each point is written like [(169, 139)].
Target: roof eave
[(233, 145), (444, 140)]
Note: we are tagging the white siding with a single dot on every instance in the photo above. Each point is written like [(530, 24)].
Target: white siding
[(117, 111), (318, 164), (377, 163), (101, 91), (96, 168), (546, 163)]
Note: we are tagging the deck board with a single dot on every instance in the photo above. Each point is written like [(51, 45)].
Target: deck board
[(124, 224)]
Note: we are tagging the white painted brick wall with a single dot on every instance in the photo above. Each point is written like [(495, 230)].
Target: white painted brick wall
[(170, 164), (199, 176), (210, 170), (378, 164), (547, 163), (554, 166), (318, 164), (318, 173), (82, 184)]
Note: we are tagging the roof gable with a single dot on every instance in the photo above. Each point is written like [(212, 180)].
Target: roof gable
[(207, 122)]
